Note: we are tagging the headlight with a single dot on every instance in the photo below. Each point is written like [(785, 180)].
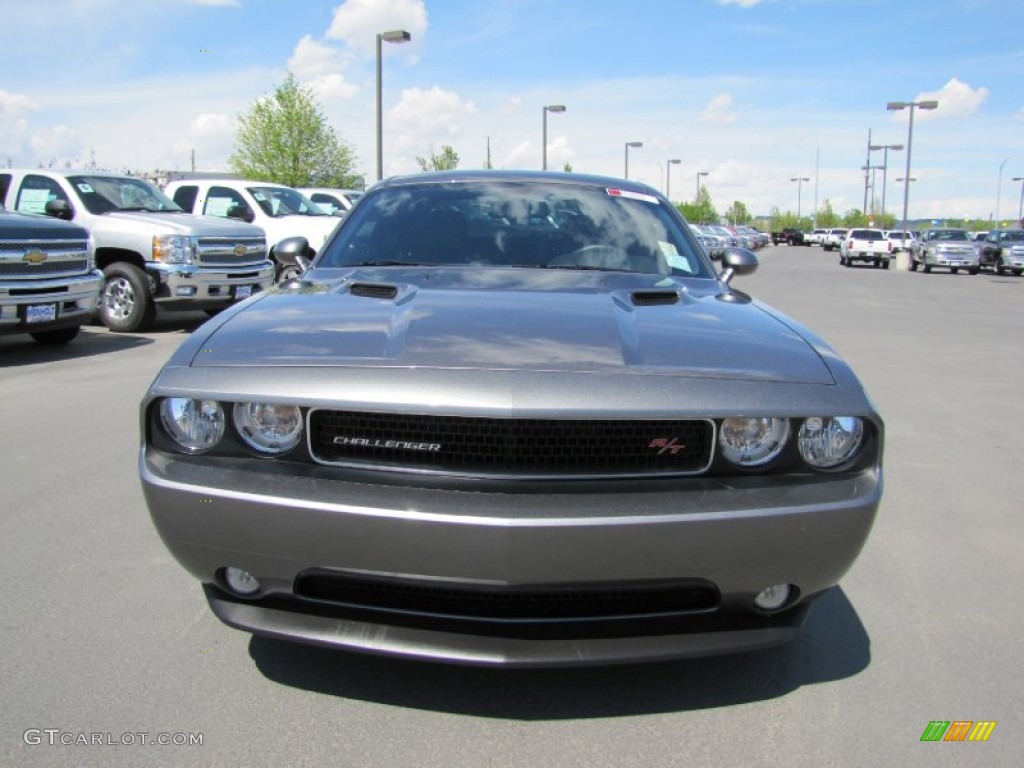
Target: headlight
[(751, 442), (268, 427), (830, 442), (195, 425), (173, 249)]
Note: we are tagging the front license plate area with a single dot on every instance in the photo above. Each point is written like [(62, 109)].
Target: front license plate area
[(40, 313), (243, 292)]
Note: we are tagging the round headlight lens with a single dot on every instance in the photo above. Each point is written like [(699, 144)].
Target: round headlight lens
[(829, 442), (752, 442), (269, 427), (195, 425)]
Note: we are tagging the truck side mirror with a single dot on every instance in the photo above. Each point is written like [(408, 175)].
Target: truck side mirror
[(241, 212), (59, 209)]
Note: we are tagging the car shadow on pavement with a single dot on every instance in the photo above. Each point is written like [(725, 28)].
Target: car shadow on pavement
[(23, 350), (832, 645)]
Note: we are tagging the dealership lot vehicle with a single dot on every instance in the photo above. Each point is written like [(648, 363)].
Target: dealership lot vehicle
[(49, 284), (333, 201), (948, 248), (867, 245), (1002, 251), (498, 422), (281, 211), (833, 238), (151, 252)]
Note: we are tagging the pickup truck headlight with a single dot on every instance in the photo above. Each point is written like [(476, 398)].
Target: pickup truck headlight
[(173, 249)]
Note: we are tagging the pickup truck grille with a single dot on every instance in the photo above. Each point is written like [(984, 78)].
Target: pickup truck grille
[(489, 447), (30, 259), (231, 251)]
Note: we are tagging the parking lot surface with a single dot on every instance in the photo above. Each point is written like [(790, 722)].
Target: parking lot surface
[(105, 635)]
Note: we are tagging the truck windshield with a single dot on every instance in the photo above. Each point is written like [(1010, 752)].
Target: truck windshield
[(284, 201), (103, 194)]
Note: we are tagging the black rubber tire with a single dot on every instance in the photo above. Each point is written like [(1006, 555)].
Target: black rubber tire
[(913, 265), (926, 268), (58, 336), (849, 262), (972, 271), (954, 270), (125, 303), (998, 268)]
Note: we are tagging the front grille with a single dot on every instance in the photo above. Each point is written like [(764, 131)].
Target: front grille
[(543, 603), (220, 251), (47, 246), (511, 447), (49, 268)]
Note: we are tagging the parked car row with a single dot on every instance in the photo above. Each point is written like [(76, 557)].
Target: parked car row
[(74, 244)]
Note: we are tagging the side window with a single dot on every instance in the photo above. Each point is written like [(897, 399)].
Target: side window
[(185, 197), (326, 202), (219, 200), (36, 192)]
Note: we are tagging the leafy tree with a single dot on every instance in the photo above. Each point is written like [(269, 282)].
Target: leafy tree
[(448, 160), (738, 213), (285, 138), (827, 218), (701, 212), (780, 221), (567, 167), (855, 218)]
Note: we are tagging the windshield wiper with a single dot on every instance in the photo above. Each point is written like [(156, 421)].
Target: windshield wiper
[(144, 209), (584, 268), (391, 263)]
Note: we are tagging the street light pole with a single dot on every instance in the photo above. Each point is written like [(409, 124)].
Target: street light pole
[(696, 200), (668, 176), (896, 106), (394, 36), (999, 189), (629, 144), (544, 140), (885, 166), (799, 186)]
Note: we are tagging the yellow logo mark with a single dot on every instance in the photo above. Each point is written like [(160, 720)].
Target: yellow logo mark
[(35, 257), (239, 250)]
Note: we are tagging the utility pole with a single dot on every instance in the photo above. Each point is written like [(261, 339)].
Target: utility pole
[(867, 174)]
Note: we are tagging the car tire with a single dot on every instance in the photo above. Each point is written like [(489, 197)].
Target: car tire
[(849, 262), (842, 261), (926, 268), (58, 336), (972, 271), (1018, 272), (125, 303), (885, 264), (953, 270), (997, 268), (913, 266)]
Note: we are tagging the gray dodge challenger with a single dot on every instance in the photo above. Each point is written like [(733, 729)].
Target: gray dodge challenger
[(512, 419)]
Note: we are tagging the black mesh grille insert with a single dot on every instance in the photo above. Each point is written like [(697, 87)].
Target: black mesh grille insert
[(501, 603), (511, 447), (61, 267)]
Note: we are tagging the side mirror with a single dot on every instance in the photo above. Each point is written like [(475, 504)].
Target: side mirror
[(59, 209), (737, 261), (293, 250), (241, 212)]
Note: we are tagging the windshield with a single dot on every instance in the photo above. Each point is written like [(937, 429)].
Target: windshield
[(539, 225), (950, 235), (284, 201), (103, 194), (1016, 236)]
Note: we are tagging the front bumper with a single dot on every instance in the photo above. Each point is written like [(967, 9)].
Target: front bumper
[(278, 521), (74, 300), (184, 286), (951, 261)]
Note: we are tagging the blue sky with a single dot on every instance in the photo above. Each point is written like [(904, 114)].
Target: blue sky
[(755, 92)]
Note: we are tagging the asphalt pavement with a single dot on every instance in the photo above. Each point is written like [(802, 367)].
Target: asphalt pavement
[(106, 640)]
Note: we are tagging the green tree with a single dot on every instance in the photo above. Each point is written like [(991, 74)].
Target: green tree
[(780, 221), (737, 213), (567, 167), (448, 160), (854, 218), (701, 212), (285, 138), (827, 218)]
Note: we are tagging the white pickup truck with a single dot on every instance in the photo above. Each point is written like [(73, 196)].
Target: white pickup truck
[(869, 245), (151, 252), (281, 211), (833, 238)]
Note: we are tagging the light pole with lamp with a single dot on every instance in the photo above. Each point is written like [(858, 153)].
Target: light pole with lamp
[(629, 144), (885, 164), (696, 200), (893, 106), (544, 139), (394, 36), (668, 175), (999, 189), (799, 187)]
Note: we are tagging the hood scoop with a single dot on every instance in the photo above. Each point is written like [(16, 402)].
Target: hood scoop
[(654, 298), (374, 290)]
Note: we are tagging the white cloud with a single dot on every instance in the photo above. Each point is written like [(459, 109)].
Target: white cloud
[(16, 103), (718, 112), (511, 106), (424, 116), (956, 99), (523, 155), (332, 87), (358, 22), (59, 143), (312, 59)]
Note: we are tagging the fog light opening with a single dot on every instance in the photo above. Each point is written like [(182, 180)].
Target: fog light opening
[(185, 290), (241, 582), (774, 598)]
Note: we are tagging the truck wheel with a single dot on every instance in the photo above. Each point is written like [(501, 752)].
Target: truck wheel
[(998, 268), (59, 336), (125, 304), (972, 271), (954, 270), (885, 264), (926, 268), (913, 264)]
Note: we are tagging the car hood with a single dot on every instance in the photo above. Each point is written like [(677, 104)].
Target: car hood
[(177, 223), (513, 319)]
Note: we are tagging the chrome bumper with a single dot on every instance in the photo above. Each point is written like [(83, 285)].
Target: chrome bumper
[(76, 299)]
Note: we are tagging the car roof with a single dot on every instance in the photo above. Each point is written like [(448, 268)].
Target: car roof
[(72, 172), (548, 177)]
